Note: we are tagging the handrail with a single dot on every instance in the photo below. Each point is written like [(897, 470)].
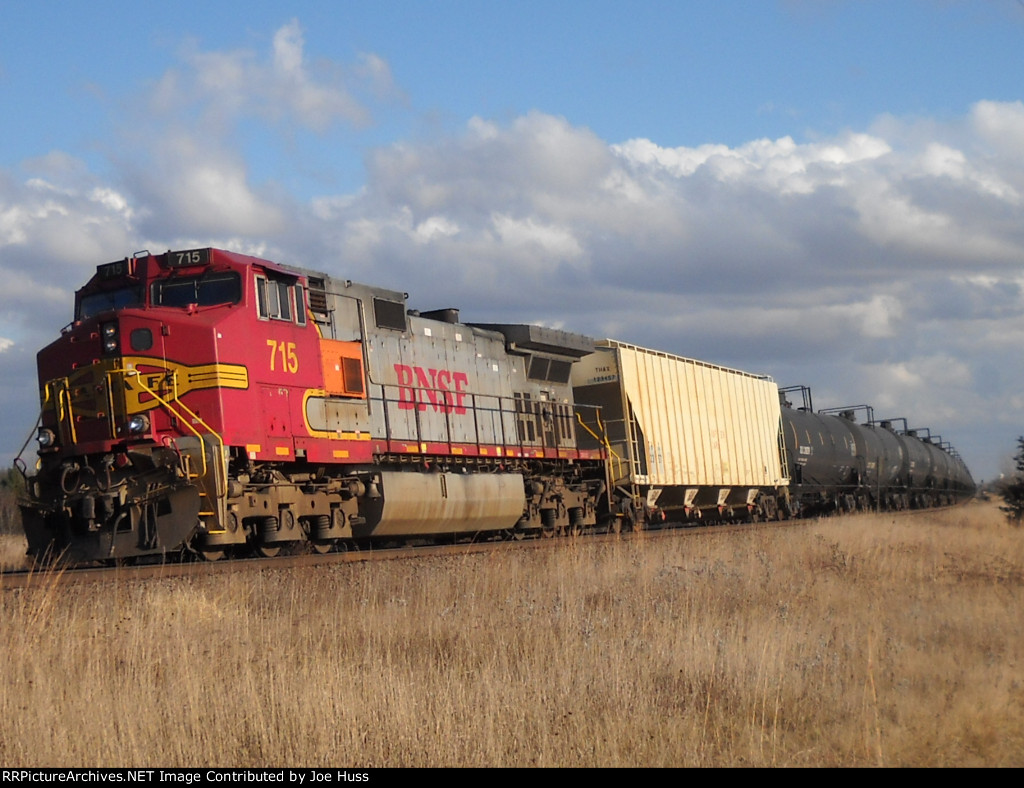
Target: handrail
[(603, 440), (504, 413), (58, 396), (134, 373)]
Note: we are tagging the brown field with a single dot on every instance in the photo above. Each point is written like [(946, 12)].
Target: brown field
[(864, 641)]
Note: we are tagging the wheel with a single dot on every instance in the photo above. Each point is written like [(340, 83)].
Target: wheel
[(322, 548), (268, 550), (211, 555)]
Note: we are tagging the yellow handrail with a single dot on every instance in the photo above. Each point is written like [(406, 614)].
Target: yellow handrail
[(603, 440), (181, 419), (58, 397)]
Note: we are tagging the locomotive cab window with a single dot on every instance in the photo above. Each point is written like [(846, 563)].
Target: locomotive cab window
[(277, 299), (108, 301), (204, 290)]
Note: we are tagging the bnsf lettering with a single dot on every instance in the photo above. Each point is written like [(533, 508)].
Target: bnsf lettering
[(443, 389)]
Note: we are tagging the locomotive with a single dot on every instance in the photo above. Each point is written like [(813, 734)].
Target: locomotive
[(204, 402)]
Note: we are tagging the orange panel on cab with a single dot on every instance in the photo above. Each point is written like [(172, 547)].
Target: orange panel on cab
[(343, 368)]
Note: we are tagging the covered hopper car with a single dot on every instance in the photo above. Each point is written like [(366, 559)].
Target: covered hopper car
[(686, 439)]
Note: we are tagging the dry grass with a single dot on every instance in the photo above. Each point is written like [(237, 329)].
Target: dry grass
[(12, 552), (864, 641)]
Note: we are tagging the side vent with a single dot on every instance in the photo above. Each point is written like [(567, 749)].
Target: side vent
[(317, 296), (389, 314), (552, 370), (352, 373)]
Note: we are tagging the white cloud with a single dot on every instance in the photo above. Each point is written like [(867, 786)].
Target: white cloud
[(880, 317), (281, 86), (111, 200), (376, 72), (780, 164), (435, 227), (550, 243), (221, 200), (315, 104), (943, 161), (1000, 125)]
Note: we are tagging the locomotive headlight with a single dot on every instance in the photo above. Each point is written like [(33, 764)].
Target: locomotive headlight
[(45, 438), (138, 424), (108, 333)]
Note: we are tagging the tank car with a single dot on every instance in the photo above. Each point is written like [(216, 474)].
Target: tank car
[(837, 464), (208, 401), (935, 474)]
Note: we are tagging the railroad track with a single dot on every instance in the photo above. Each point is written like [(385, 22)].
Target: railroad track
[(36, 578)]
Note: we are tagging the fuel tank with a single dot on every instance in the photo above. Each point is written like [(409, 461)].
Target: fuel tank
[(448, 503)]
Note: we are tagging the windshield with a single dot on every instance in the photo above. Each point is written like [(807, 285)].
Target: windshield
[(108, 300), (206, 290)]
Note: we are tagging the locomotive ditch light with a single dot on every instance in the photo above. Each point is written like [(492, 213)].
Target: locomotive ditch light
[(138, 424), (45, 438)]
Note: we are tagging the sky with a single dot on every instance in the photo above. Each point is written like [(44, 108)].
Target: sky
[(829, 192)]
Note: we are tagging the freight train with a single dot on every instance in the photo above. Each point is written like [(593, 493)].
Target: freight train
[(208, 403)]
